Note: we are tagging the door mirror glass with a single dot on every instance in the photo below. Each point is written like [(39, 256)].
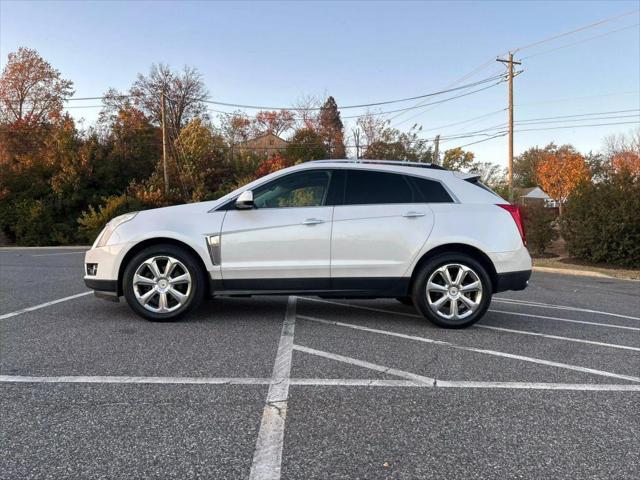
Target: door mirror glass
[(245, 200)]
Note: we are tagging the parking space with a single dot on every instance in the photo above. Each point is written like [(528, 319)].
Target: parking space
[(547, 385)]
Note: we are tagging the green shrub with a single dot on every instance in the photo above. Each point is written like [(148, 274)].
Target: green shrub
[(34, 223), (93, 221), (601, 221), (539, 227)]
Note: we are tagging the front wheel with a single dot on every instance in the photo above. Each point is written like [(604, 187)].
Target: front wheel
[(163, 282), (452, 291)]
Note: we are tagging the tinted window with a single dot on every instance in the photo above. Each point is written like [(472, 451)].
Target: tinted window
[(430, 191), (304, 189), (366, 187)]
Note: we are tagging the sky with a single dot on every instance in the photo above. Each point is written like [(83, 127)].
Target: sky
[(272, 53)]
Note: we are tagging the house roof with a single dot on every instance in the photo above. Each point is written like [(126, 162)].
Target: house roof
[(533, 192)]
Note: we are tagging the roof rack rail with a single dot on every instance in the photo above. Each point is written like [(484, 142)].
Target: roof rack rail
[(400, 163)]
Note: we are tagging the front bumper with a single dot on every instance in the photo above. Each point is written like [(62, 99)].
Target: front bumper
[(108, 260)]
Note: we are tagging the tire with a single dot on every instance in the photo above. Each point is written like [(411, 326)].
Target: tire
[(183, 288), (437, 305), (405, 301)]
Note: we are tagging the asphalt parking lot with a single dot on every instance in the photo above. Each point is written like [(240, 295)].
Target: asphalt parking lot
[(547, 385)]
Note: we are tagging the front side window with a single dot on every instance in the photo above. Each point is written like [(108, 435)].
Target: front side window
[(366, 187), (303, 189)]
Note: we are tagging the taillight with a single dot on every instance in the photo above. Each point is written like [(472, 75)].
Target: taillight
[(514, 210)]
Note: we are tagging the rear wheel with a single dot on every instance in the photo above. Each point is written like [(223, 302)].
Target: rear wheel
[(452, 290), (163, 282)]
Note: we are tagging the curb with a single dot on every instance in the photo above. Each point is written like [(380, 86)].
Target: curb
[(568, 271)]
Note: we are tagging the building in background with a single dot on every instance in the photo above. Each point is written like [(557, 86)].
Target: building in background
[(266, 144)]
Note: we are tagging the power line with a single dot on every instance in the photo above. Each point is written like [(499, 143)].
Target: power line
[(567, 45), (362, 105), (571, 32)]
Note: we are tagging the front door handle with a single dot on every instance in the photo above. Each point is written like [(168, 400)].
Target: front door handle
[(312, 221), (413, 214)]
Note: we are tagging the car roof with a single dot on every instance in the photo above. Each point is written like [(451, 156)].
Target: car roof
[(427, 170)]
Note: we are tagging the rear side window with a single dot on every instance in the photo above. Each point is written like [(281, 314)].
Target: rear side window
[(430, 191), (367, 187)]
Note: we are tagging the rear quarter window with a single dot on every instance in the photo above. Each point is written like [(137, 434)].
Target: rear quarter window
[(430, 191)]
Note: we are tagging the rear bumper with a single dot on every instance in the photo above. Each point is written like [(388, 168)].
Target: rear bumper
[(512, 280)]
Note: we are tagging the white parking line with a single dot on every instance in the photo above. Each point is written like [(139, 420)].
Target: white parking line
[(568, 320), (527, 303), (267, 457), (137, 380), (489, 327), (43, 305), (477, 350), (361, 363), (321, 382), (558, 337), (52, 254)]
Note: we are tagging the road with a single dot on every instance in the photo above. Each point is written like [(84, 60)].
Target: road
[(547, 385)]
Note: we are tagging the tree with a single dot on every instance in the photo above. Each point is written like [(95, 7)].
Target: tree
[(492, 175), (272, 164), (384, 142), (184, 92), (525, 166), (236, 128), (627, 160), (560, 172), (457, 159), (305, 145), (332, 129), (32, 92), (201, 153), (275, 122)]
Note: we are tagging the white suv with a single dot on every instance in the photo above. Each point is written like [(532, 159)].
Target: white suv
[(437, 239)]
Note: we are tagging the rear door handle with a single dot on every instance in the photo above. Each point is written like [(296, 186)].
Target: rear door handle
[(413, 214), (312, 221)]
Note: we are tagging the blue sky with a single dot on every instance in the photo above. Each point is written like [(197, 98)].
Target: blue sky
[(273, 52)]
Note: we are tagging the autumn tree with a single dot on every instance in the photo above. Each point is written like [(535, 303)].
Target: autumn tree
[(623, 152), (184, 92), (525, 166), (235, 128), (560, 172), (457, 159), (305, 145), (331, 129), (31, 90), (384, 142), (275, 122), (201, 152)]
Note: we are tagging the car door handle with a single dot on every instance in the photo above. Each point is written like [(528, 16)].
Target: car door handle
[(312, 221), (413, 214)]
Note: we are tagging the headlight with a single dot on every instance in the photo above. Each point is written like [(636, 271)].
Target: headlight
[(104, 236)]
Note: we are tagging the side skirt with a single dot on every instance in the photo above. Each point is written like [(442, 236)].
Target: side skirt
[(344, 287)]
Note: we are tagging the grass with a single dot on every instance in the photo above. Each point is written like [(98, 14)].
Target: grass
[(557, 257)]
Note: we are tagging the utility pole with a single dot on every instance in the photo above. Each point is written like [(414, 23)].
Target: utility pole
[(436, 150), (510, 63), (164, 145)]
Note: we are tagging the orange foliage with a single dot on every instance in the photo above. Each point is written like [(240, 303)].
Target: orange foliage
[(560, 172), (627, 160), (273, 164)]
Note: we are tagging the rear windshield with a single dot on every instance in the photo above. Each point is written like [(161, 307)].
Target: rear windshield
[(476, 181)]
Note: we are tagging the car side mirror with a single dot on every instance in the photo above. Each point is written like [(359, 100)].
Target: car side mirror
[(245, 200)]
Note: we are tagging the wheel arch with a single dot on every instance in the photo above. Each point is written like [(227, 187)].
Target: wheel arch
[(463, 248), (138, 247)]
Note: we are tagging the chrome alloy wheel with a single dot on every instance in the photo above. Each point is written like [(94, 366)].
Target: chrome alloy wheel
[(162, 284), (454, 291)]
